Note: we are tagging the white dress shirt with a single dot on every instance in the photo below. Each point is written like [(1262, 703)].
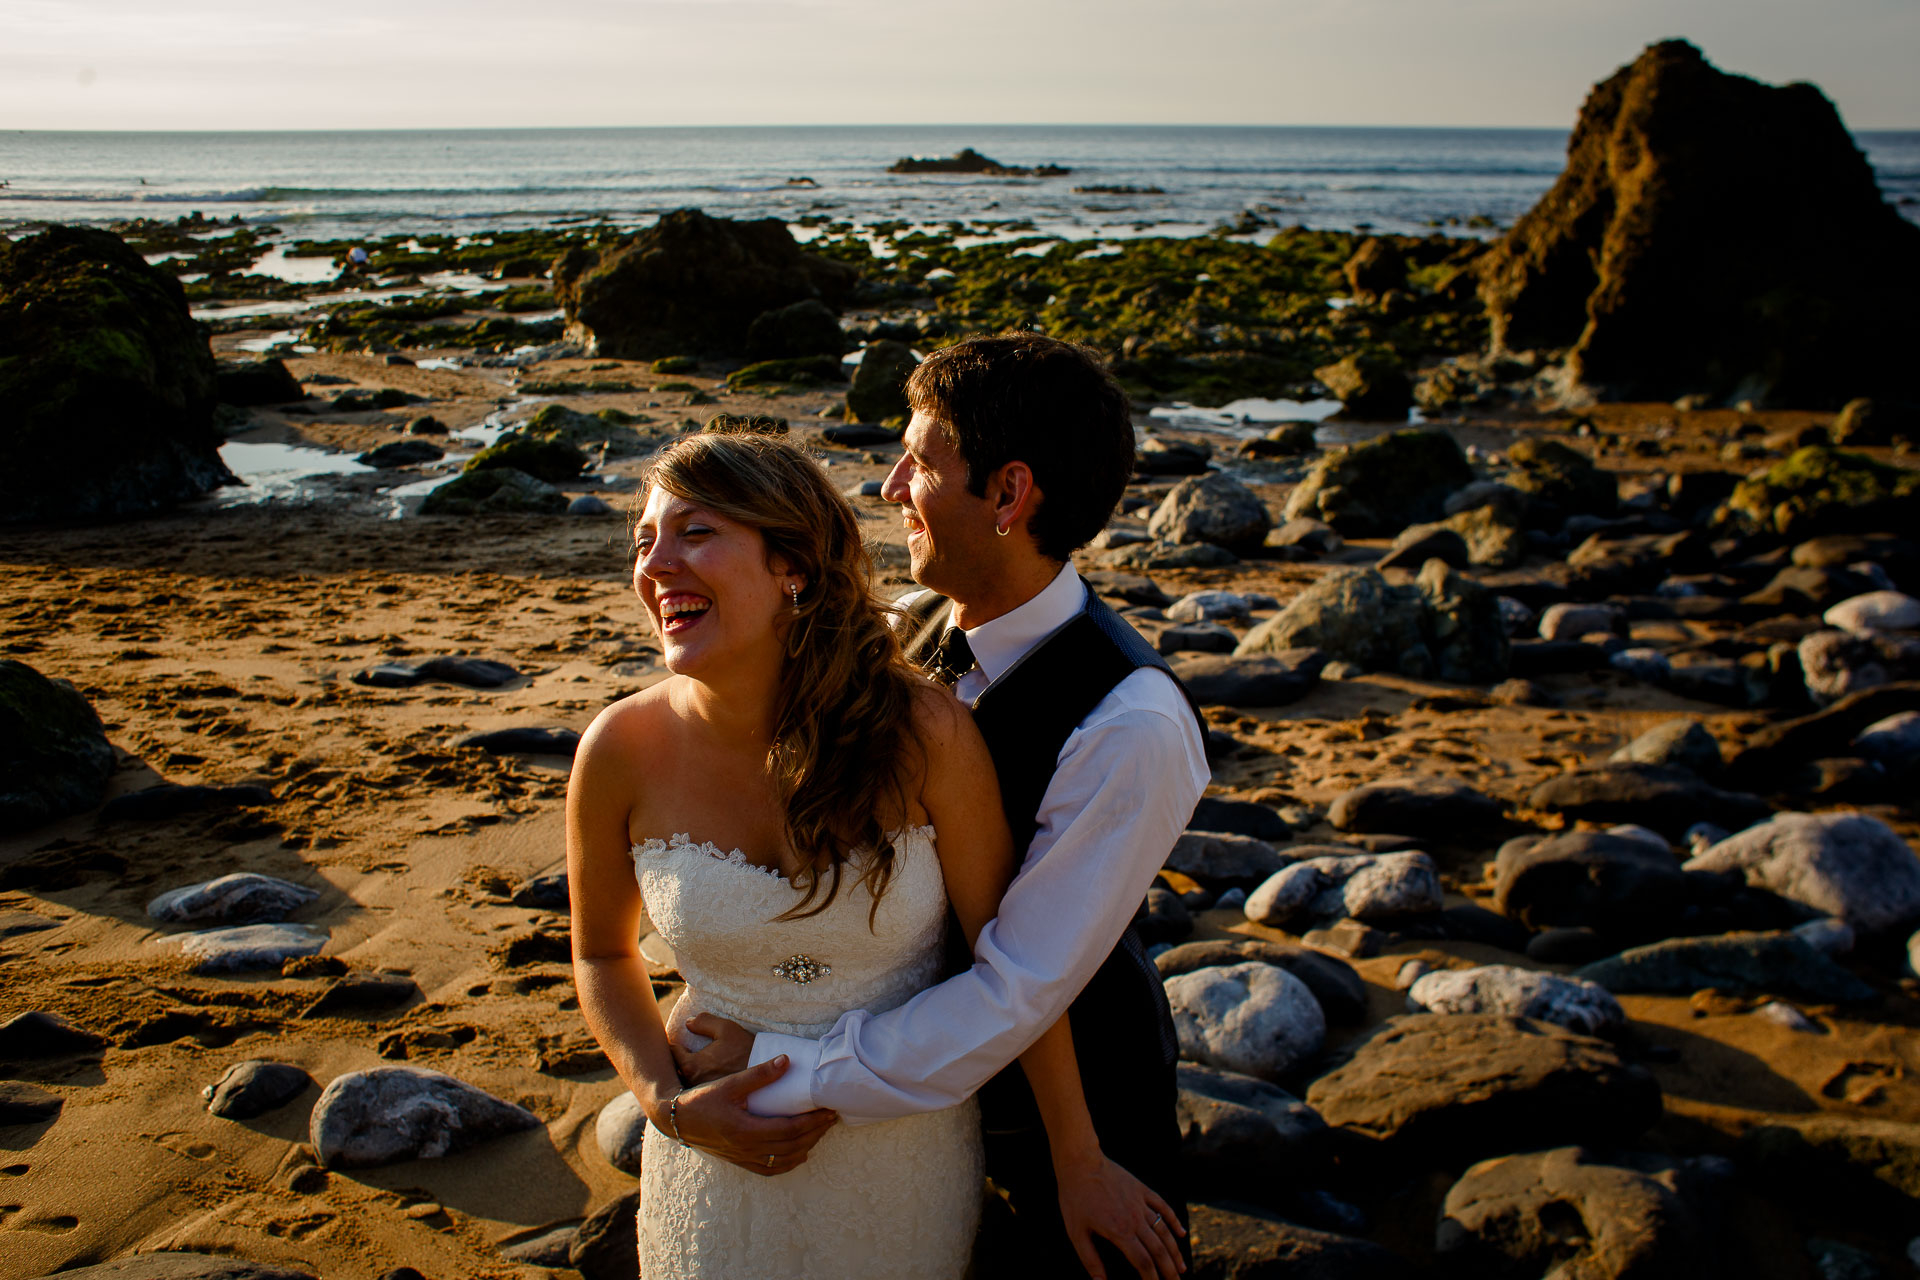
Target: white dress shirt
[(1126, 783)]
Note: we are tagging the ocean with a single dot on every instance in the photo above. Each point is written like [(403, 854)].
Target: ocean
[(371, 184)]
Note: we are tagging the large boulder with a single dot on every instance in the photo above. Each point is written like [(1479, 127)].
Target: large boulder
[(106, 383), (1379, 487), (1863, 423), (1234, 1125), (1212, 508), (54, 755), (544, 456), (1591, 880), (388, 1114), (805, 328), (1818, 490), (1376, 269), (1636, 261), (1450, 1088), (1247, 1243), (252, 382), (1256, 1019), (1443, 625), (879, 390), (689, 284), (1666, 799), (1849, 865)]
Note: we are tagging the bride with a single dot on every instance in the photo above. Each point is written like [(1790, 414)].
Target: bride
[(795, 808)]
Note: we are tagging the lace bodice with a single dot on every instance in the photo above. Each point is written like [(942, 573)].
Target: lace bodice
[(716, 910)]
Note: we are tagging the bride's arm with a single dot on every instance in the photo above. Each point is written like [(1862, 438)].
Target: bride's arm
[(1097, 1196), (616, 995)]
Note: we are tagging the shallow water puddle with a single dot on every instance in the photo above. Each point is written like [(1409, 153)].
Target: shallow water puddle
[(270, 471)]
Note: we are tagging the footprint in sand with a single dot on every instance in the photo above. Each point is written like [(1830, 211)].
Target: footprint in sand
[(184, 1144), (55, 1226)]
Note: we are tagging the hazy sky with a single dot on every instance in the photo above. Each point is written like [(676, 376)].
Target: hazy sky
[(249, 64)]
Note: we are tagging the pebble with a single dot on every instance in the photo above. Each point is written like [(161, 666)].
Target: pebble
[(170, 801), (1231, 899), (254, 1088), (606, 1247), (544, 892), (249, 946), (1223, 858), (548, 1248), (37, 1034), (1848, 865), (1875, 611), (588, 504), (1573, 1003), (1572, 621), (390, 1114), (1409, 973), (1365, 887), (244, 897), (1209, 606), (475, 673), (1252, 1018), (1414, 806), (620, 1130), (1788, 1016), (527, 741)]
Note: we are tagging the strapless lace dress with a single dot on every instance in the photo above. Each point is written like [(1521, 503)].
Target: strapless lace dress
[(897, 1200)]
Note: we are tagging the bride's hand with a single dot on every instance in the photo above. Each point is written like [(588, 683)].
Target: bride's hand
[(714, 1118), (1099, 1198), (726, 1053)]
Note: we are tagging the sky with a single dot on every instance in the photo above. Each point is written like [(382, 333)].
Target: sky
[(247, 64)]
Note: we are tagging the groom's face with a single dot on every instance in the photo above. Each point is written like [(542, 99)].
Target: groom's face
[(949, 529)]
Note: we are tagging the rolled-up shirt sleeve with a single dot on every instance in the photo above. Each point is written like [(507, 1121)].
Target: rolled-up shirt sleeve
[(1125, 786)]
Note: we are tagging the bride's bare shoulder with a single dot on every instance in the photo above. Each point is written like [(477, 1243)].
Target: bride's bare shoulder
[(630, 726)]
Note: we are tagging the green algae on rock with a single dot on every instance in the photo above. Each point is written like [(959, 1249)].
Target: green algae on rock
[(546, 456), (879, 391), (1563, 476), (1378, 487), (1819, 490), (107, 387), (496, 490)]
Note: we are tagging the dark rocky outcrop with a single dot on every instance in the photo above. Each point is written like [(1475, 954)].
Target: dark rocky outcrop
[(879, 391), (1369, 387), (494, 491), (251, 382), (805, 328), (1818, 490), (967, 160), (106, 383), (1800, 289), (1442, 624), (1376, 489), (54, 755), (690, 284)]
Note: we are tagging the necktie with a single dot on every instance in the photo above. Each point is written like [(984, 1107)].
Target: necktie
[(953, 657)]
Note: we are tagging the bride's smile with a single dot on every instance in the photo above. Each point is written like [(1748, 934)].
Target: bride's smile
[(707, 585)]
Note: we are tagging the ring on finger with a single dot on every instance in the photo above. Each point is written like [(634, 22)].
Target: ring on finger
[(1157, 1220), (769, 1162)]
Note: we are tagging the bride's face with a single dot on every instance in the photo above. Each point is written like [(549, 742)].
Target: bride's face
[(706, 584)]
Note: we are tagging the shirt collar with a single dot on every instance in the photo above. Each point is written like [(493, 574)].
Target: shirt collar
[(997, 645)]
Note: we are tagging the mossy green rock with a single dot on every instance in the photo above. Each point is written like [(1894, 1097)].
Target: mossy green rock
[(54, 756), (495, 491), (808, 328), (1369, 386), (547, 457), (1443, 625), (106, 383), (1563, 476), (879, 391), (1379, 487), (1820, 490), (797, 371), (674, 364)]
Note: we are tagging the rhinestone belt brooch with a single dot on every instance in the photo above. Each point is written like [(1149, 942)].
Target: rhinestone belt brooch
[(802, 969)]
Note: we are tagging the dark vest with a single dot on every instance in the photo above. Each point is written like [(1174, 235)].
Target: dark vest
[(1122, 1027)]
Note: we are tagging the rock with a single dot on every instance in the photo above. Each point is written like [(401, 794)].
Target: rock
[(1580, 1006), (254, 382), (1416, 805), (1238, 817), (244, 897), (1379, 487), (879, 391), (494, 491), (607, 1246), (1681, 744), (1649, 665), (1252, 1018), (546, 456), (1341, 994), (249, 946), (1157, 457), (1366, 887), (1852, 1155), (1773, 962), (1848, 865), (1349, 938), (1818, 490), (1242, 1242), (1492, 536), (255, 1087), (1218, 858), (620, 1131), (1668, 800), (1369, 387), (106, 383), (1443, 624), (170, 801), (1787, 1016), (1523, 693), (1865, 423), (547, 1247), (1213, 508), (588, 505), (805, 328), (1457, 1087), (1592, 266), (1309, 534), (1376, 268), (1168, 555), (1235, 1126), (1777, 749), (1826, 935), (690, 284), (1420, 543), (1565, 1212), (1163, 918), (1893, 742), (54, 756), (475, 673), (182, 1266), (1837, 663), (1561, 477), (426, 425), (1587, 879), (1288, 440), (362, 995), (1209, 606), (1875, 611), (525, 741), (22, 1103), (401, 453), (389, 1114), (1572, 621), (544, 893), (1203, 637), (1270, 679), (967, 160), (1570, 945), (35, 1034)]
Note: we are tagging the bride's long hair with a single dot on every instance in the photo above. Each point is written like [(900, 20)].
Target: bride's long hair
[(843, 740)]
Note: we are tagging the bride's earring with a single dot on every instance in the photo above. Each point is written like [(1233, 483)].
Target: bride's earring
[(794, 591)]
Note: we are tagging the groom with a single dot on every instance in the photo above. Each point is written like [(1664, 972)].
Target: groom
[(1018, 450)]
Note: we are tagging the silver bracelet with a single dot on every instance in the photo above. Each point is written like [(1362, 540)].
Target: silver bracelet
[(673, 1118)]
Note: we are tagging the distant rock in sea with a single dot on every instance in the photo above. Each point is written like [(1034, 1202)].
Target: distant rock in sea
[(967, 160), (1711, 234)]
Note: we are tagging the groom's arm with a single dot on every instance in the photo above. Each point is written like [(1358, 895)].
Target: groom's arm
[(1126, 784)]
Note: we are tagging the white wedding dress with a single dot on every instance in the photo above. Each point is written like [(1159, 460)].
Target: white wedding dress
[(897, 1200)]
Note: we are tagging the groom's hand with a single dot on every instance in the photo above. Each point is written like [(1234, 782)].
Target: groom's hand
[(730, 1046), (714, 1118)]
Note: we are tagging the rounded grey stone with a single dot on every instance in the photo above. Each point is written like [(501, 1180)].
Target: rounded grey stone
[(1256, 1019), (1523, 993), (620, 1131), (255, 1087), (1370, 887), (245, 897), (1848, 865), (1875, 611), (250, 946), (390, 1114)]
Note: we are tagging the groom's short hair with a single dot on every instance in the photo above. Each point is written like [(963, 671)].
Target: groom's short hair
[(1053, 405)]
